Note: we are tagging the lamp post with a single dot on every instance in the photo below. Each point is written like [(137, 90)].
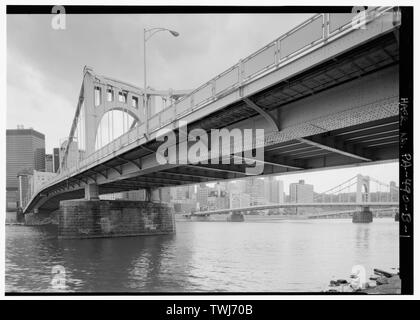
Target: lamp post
[(147, 34)]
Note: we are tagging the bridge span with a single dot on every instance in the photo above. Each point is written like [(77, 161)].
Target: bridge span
[(300, 205), (326, 94), (362, 212)]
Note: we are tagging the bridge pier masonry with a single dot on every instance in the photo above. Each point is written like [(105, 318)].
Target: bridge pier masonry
[(363, 216), (94, 218), (363, 195), (236, 217)]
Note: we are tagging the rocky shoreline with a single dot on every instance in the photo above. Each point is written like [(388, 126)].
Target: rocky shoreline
[(382, 282), (391, 285)]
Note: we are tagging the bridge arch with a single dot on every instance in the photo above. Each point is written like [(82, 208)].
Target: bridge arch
[(103, 97), (363, 188), (112, 124), (131, 113)]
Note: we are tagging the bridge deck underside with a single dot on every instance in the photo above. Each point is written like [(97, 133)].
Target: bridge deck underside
[(374, 139), (368, 142)]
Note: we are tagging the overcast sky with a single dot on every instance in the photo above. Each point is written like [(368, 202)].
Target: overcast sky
[(44, 66)]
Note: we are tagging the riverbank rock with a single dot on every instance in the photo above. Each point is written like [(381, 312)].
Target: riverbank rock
[(381, 281), (392, 287)]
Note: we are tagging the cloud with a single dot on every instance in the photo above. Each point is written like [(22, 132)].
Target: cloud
[(32, 101), (45, 65)]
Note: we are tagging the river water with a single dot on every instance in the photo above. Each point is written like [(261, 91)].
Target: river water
[(263, 256)]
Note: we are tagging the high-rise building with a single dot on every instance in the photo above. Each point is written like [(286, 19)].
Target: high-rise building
[(217, 197), (256, 189), (56, 159), (49, 163), (239, 200), (182, 193), (73, 154), (274, 192), (394, 191), (236, 186), (301, 192), (202, 196), (25, 150), (24, 187), (182, 198)]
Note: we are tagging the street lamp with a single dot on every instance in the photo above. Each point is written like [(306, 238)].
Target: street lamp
[(147, 34)]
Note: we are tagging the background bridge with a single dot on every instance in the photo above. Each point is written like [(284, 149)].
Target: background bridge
[(357, 194), (326, 93)]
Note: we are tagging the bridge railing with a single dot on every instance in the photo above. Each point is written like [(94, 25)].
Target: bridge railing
[(110, 148), (313, 33)]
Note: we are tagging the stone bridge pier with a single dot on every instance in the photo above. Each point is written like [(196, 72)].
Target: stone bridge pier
[(363, 216), (236, 217), (397, 216), (362, 195), (94, 218)]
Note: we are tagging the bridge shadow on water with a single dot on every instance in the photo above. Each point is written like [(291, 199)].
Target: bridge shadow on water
[(362, 235), (122, 264), (116, 264)]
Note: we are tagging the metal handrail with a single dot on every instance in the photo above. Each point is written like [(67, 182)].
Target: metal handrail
[(325, 36)]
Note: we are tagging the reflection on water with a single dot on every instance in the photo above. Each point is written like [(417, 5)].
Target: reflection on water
[(272, 256)]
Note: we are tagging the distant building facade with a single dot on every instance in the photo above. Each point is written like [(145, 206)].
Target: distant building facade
[(74, 155), (274, 190), (256, 190), (301, 192), (29, 182), (182, 198), (239, 200), (218, 197), (24, 187), (49, 163), (202, 196), (56, 159), (394, 192), (25, 150), (236, 186)]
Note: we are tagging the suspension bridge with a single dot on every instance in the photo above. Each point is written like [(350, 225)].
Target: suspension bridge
[(357, 188), (326, 94), (351, 197)]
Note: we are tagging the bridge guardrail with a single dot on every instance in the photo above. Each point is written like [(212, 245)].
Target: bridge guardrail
[(314, 32), (309, 34), (300, 40)]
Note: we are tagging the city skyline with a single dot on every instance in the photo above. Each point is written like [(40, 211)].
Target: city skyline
[(385, 172), (286, 180)]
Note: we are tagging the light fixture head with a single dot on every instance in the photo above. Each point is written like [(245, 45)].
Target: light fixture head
[(174, 33)]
